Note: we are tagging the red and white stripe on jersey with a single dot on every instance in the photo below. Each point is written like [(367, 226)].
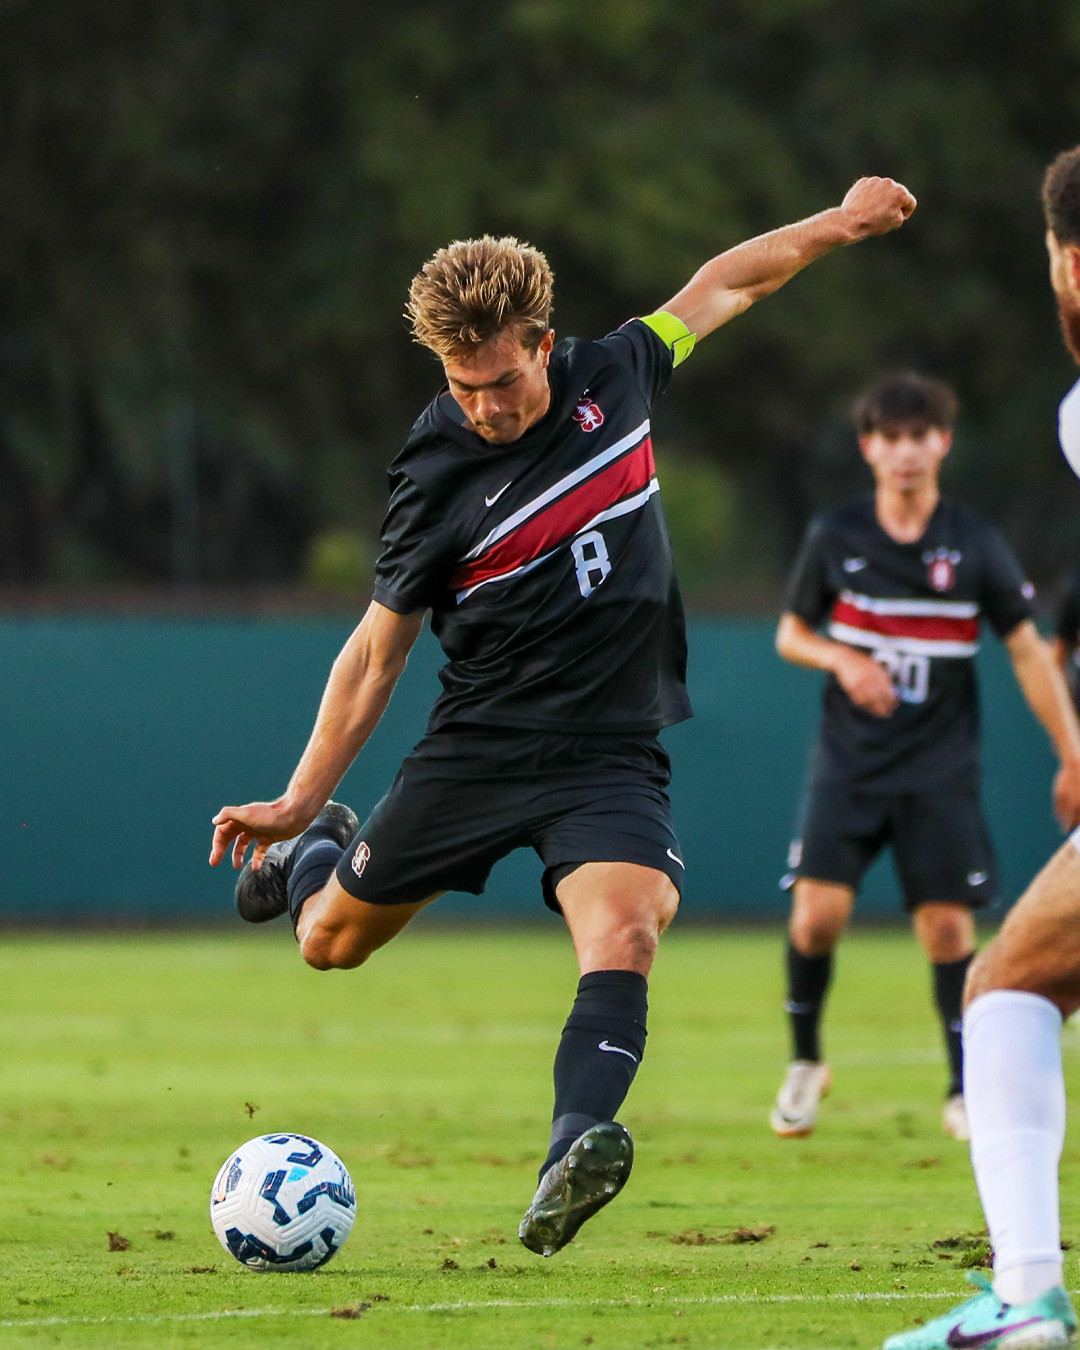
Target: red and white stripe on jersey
[(617, 481), (928, 627)]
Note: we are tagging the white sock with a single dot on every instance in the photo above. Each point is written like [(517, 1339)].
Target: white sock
[(1014, 1091)]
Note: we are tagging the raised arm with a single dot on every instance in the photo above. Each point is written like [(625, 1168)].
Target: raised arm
[(732, 281), (1044, 688), (864, 681), (359, 688)]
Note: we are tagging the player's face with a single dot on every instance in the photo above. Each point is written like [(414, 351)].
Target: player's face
[(906, 459), (1065, 279), (502, 387)]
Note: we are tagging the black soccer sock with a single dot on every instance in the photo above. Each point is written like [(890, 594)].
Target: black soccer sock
[(314, 859), (601, 1047), (949, 977), (808, 983)]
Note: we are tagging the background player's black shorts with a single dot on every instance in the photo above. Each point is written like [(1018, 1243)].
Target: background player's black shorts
[(940, 843), (467, 796)]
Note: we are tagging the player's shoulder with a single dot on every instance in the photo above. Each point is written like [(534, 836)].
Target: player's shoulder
[(616, 348), (968, 523), (435, 448), (856, 515)]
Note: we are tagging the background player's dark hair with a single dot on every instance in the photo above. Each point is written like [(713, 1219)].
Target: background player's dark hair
[(904, 400), (1061, 197)]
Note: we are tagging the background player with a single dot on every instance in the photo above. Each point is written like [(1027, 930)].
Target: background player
[(901, 580), (1065, 644), (524, 515), (1019, 990)]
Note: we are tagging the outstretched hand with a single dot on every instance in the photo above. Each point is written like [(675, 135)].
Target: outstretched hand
[(258, 823), (876, 206)]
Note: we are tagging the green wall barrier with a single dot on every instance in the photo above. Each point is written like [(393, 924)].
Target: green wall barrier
[(120, 738)]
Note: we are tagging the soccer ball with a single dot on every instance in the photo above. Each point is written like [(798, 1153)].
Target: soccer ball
[(282, 1202)]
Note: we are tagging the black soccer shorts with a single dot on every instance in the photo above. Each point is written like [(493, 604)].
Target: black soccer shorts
[(940, 843), (467, 796)]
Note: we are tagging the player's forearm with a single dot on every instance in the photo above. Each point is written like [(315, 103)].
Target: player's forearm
[(797, 642), (361, 682), (348, 714), (762, 265), (734, 280)]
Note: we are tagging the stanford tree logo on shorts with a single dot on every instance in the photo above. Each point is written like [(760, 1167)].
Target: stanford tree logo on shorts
[(360, 858)]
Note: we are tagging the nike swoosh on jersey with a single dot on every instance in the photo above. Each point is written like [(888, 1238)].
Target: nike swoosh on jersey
[(976, 878), (675, 859), (962, 1340), (490, 501), (617, 1050), (854, 564)]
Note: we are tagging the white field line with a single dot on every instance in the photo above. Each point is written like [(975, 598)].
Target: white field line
[(141, 1319)]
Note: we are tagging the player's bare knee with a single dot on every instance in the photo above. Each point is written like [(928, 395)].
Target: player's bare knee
[(945, 936), (667, 908), (813, 933), (331, 947)]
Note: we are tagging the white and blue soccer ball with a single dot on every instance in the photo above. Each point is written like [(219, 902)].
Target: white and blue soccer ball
[(283, 1202)]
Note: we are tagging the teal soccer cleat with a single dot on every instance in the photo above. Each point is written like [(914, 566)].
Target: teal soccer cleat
[(985, 1323)]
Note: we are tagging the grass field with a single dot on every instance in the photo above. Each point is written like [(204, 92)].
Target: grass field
[(132, 1066)]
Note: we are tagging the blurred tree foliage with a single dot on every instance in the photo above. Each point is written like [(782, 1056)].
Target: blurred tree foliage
[(211, 211)]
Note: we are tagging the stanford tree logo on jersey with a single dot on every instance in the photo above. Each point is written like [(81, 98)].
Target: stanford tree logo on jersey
[(588, 414), (941, 563)]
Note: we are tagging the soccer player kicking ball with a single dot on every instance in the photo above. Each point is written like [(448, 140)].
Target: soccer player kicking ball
[(900, 580), (524, 515), (1019, 990)]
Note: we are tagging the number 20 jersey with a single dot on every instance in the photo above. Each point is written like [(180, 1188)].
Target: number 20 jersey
[(916, 608), (546, 562)]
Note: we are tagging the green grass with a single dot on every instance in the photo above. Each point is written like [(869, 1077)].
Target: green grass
[(132, 1066)]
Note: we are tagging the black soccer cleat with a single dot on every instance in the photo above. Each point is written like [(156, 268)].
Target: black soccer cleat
[(264, 894), (593, 1172)]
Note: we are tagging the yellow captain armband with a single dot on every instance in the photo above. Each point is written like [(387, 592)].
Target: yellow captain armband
[(673, 333)]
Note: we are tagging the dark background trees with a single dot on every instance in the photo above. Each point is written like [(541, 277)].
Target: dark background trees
[(210, 213)]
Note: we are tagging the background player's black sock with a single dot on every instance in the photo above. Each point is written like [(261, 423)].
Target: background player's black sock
[(601, 1047), (808, 983), (949, 979), (314, 859)]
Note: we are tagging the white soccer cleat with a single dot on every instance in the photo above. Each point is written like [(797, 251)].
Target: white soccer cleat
[(954, 1119), (795, 1112)]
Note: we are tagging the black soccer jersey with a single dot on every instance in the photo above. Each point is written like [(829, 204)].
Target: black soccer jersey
[(546, 563), (1067, 629), (916, 608)]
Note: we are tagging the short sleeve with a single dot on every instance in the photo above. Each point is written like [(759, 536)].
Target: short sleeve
[(808, 593), (1067, 625), (650, 349), (1007, 595), (417, 552)]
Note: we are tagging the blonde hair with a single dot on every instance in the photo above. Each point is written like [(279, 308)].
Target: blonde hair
[(473, 289)]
